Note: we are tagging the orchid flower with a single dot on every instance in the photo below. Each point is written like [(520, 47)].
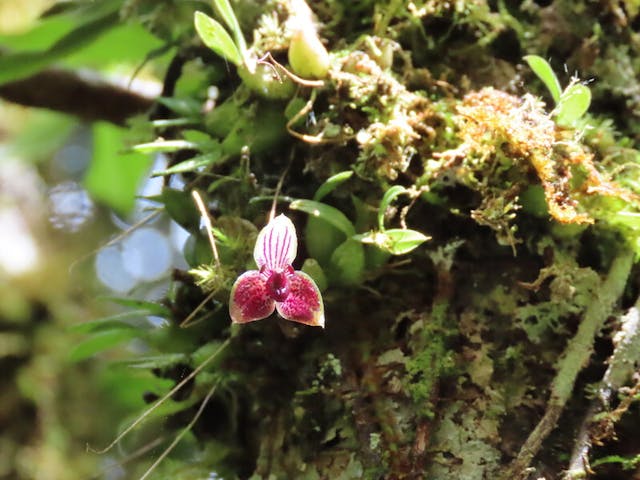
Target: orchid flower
[(276, 285)]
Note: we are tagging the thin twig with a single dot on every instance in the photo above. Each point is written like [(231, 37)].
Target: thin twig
[(116, 239), (576, 355), (272, 212), (129, 458), (292, 76), (182, 433), (313, 139), (207, 223), (197, 370), (187, 321)]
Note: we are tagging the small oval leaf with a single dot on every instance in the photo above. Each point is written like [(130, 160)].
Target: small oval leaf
[(403, 241), (100, 341), (223, 7), (215, 37), (545, 73), (574, 103), (180, 207)]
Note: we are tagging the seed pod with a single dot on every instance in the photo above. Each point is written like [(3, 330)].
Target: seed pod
[(307, 55)]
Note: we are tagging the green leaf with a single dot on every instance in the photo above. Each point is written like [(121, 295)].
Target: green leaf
[(192, 164), (170, 406), (331, 183), (197, 251), (180, 207), (128, 43), (262, 129), (112, 322), (312, 268), (388, 197), (223, 8), (101, 341), (126, 386), (186, 107), (321, 239), (165, 146), (574, 103), (173, 122), (14, 66), (156, 361), (365, 215), (396, 241), (204, 352), (151, 308), (347, 263), (326, 212), (113, 177), (41, 33), (215, 37), (545, 73), (45, 132), (403, 241)]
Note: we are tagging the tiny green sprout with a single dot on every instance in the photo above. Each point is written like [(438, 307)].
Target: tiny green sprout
[(574, 103), (571, 103), (545, 73)]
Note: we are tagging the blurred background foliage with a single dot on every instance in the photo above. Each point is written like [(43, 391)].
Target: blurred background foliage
[(54, 167)]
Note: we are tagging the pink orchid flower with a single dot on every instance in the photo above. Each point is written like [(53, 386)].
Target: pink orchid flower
[(276, 285)]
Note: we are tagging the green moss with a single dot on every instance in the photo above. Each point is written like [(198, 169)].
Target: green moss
[(431, 359)]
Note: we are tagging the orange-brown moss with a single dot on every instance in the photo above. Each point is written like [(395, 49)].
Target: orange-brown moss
[(499, 130)]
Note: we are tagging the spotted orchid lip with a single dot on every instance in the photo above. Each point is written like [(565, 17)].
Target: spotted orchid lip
[(276, 285)]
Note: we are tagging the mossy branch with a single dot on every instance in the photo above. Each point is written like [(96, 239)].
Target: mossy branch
[(575, 357), (622, 363)]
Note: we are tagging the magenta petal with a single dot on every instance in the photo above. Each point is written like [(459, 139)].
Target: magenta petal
[(276, 245), (249, 298), (304, 302)]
